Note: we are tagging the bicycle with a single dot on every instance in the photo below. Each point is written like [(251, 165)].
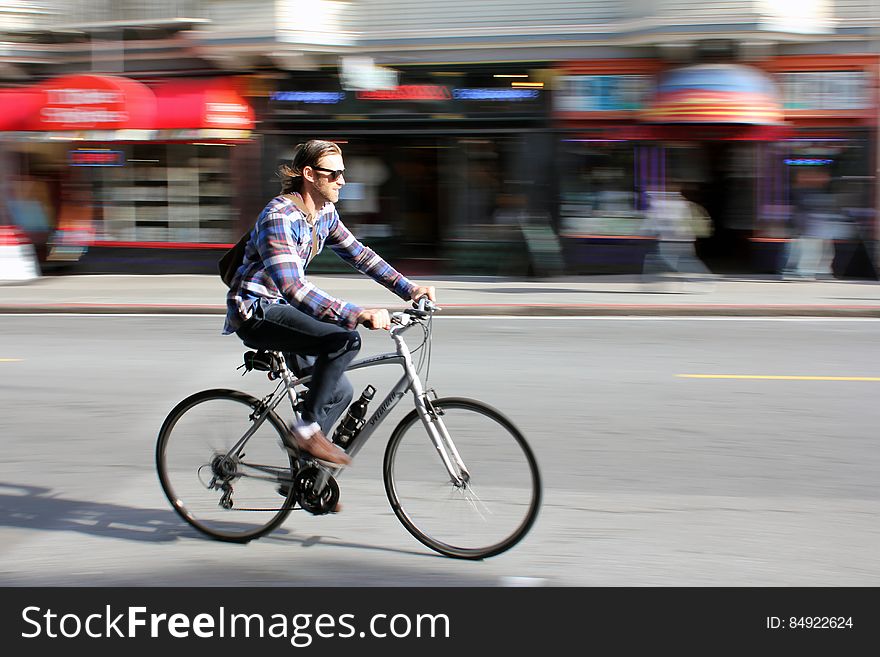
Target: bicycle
[(470, 489)]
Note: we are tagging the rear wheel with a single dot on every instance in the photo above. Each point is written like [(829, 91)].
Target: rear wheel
[(488, 514), (230, 497)]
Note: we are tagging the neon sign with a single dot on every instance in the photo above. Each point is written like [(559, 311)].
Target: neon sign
[(408, 92), (96, 158), (807, 162), (411, 92), (311, 97), (494, 94)]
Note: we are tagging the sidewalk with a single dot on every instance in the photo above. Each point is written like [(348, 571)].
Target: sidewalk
[(583, 295)]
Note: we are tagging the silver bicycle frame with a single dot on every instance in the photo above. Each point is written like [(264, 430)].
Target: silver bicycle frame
[(410, 381)]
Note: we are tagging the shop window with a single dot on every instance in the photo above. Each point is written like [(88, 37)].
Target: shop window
[(598, 194), (168, 193)]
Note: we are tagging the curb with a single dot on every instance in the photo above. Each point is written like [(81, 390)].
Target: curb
[(465, 310)]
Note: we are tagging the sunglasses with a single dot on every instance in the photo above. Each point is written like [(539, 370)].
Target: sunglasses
[(333, 174)]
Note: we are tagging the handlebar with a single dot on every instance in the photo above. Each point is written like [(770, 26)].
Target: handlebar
[(421, 309), (424, 307)]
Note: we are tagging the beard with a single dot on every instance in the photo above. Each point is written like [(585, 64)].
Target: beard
[(330, 195)]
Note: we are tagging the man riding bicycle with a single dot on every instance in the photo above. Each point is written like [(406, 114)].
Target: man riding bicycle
[(272, 305)]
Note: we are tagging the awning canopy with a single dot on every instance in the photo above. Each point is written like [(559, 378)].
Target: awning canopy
[(201, 104), (715, 94), (108, 108), (16, 106), (93, 102)]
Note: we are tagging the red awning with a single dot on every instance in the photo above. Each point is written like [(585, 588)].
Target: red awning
[(201, 104), (105, 104), (16, 106)]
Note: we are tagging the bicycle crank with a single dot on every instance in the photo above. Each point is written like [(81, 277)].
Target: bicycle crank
[(315, 502)]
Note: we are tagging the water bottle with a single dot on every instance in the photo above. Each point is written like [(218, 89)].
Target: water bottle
[(354, 419)]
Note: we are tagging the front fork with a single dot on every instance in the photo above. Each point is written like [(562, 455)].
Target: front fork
[(434, 425)]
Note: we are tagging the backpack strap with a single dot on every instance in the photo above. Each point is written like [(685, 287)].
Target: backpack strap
[(311, 219)]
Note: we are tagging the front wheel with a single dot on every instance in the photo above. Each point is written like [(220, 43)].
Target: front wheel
[(492, 510), (228, 495)]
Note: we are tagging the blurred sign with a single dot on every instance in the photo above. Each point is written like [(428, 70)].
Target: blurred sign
[(93, 102), (824, 90), (601, 93), (83, 106), (310, 97), (408, 92), (807, 162), (493, 94), (93, 106), (422, 94), (209, 103), (96, 158)]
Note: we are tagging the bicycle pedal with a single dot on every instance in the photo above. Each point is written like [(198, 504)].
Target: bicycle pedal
[(329, 465)]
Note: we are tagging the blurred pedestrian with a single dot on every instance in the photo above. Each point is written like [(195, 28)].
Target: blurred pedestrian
[(676, 223), (816, 223), (272, 305)]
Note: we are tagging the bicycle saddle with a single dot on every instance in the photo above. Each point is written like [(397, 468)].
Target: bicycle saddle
[(262, 360)]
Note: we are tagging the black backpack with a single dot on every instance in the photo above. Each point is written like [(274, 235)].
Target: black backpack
[(234, 257), (232, 260)]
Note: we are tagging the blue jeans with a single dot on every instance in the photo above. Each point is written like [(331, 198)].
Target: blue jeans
[(311, 347)]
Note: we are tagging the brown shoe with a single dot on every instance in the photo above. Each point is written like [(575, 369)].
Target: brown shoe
[(321, 448)]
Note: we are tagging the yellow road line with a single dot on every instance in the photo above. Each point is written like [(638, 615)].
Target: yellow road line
[(778, 378), (11, 360)]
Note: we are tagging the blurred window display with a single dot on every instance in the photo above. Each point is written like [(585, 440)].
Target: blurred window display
[(598, 188), (167, 193)]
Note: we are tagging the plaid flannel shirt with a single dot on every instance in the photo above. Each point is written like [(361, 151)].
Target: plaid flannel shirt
[(276, 257)]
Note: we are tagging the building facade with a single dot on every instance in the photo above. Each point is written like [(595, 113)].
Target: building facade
[(460, 117)]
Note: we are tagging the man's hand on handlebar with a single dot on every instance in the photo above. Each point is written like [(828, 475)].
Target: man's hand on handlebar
[(375, 318), (378, 318), (423, 291)]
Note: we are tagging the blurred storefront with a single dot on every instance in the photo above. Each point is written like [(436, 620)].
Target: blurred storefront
[(124, 167), (831, 104), (605, 162), (732, 136), (432, 161)]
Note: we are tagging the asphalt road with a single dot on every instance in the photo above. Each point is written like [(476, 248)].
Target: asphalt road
[(651, 478)]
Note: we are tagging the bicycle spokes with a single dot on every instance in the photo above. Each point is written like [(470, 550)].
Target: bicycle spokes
[(230, 492), (493, 500)]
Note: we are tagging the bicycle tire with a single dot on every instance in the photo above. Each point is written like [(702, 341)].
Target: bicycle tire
[(222, 416), (412, 489)]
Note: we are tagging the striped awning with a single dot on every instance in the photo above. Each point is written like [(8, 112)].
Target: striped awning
[(714, 93)]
